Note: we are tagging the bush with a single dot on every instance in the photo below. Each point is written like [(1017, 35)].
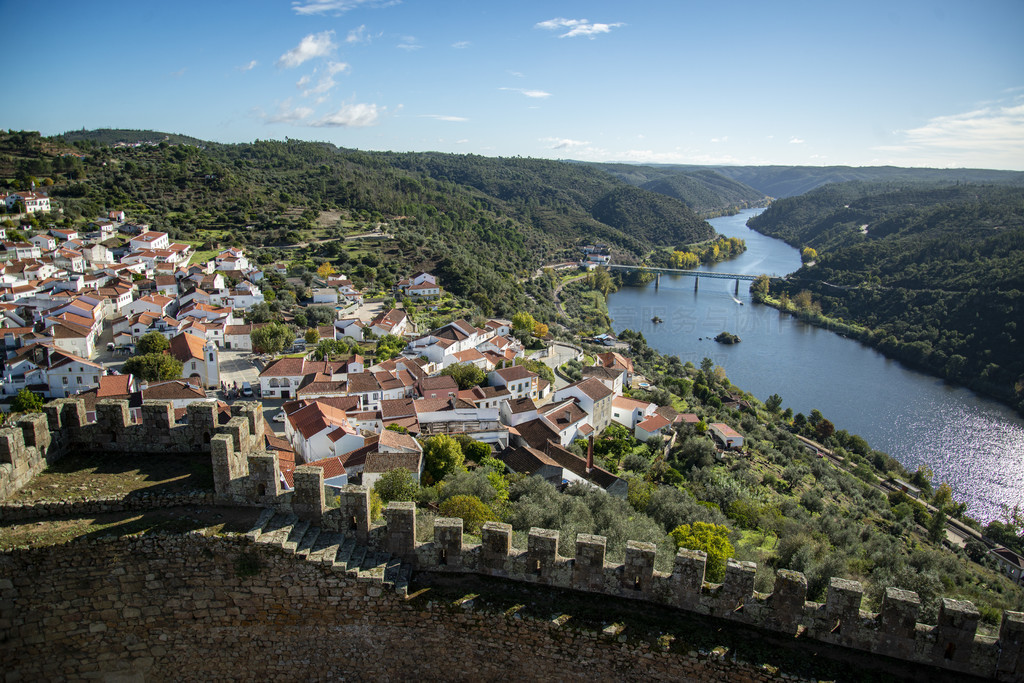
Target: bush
[(396, 484), (713, 539), (470, 509)]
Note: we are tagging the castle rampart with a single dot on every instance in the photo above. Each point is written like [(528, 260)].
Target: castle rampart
[(246, 475)]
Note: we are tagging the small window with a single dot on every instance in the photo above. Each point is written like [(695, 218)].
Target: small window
[(78, 380), (64, 380)]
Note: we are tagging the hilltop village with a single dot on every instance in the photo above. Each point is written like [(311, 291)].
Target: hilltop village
[(77, 303)]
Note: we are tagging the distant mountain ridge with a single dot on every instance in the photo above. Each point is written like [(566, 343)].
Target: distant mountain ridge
[(791, 181)]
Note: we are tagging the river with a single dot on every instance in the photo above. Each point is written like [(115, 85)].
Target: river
[(973, 443)]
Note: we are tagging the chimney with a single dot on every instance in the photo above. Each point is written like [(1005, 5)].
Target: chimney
[(568, 415), (590, 454)]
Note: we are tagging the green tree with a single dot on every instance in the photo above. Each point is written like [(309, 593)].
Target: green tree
[(152, 342), (466, 375), (473, 512), (26, 402), (713, 539), (937, 527), (759, 288), (523, 322), (773, 403), (396, 484), (311, 336), (153, 367), (271, 338), (442, 455), (388, 347), (808, 254)]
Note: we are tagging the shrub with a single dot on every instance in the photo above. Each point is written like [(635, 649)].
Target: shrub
[(470, 509), (713, 539), (396, 484)]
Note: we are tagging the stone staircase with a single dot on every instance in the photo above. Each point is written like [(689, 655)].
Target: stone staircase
[(332, 549)]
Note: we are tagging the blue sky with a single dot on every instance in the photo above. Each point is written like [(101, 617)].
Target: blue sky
[(908, 83)]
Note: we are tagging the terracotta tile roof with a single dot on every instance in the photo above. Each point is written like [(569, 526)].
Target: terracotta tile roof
[(332, 467), (397, 440), (174, 389), (357, 457), (578, 466), (362, 382), (439, 383), (186, 347), (537, 433), (592, 387), (525, 459), (654, 423), (514, 372), (563, 414), (385, 462), (626, 403), (315, 418), (391, 409), (521, 405)]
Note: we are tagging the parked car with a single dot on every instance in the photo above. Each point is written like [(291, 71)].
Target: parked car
[(280, 417), (247, 389)]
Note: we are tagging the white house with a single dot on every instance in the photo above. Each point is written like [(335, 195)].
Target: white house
[(33, 201), (728, 437), (594, 397), (150, 240), (519, 381)]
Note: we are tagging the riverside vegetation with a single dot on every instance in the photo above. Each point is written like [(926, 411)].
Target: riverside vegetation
[(486, 226), (930, 275)]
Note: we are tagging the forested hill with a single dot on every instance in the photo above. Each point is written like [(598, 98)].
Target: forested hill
[(936, 273), (480, 222), (706, 192), (113, 136), (790, 181)]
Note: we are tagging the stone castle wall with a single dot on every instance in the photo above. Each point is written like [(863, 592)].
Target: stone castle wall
[(246, 475), (178, 608)]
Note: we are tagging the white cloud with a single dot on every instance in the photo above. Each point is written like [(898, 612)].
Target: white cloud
[(408, 43), (462, 141), (461, 45), (443, 117), (337, 67), (536, 94), (249, 67), (312, 46), (357, 35), (795, 141), (324, 85), (564, 143), (337, 7), (577, 27), (987, 137), (351, 116), (287, 114), (302, 82), (517, 74), (724, 138)]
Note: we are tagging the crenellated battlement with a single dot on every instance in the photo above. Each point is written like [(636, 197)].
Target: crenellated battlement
[(39, 439), (245, 474)]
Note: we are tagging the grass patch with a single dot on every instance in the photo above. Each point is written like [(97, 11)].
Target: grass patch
[(212, 520), (79, 477)]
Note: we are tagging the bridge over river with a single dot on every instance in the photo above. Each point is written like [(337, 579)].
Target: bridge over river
[(697, 274)]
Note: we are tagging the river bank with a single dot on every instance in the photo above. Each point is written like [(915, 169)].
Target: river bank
[(972, 442)]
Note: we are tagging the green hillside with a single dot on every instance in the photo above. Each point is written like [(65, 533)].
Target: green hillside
[(705, 192), (482, 223), (935, 273), (113, 136), (791, 181)]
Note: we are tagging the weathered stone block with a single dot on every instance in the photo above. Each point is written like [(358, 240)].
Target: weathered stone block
[(898, 616), (737, 587), (355, 512), (688, 575), (35, 429), (638, 569), (541, 551), (843, 601), (308, 499), (588, 567), (158, 416), (495, 546), (1011, 647), (787, 601), (448, 540), (954, 634), (400, 537)]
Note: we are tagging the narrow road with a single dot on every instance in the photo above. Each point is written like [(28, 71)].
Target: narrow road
[(558, 302)]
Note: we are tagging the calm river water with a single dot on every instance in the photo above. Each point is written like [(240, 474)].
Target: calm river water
[(975, 444)]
